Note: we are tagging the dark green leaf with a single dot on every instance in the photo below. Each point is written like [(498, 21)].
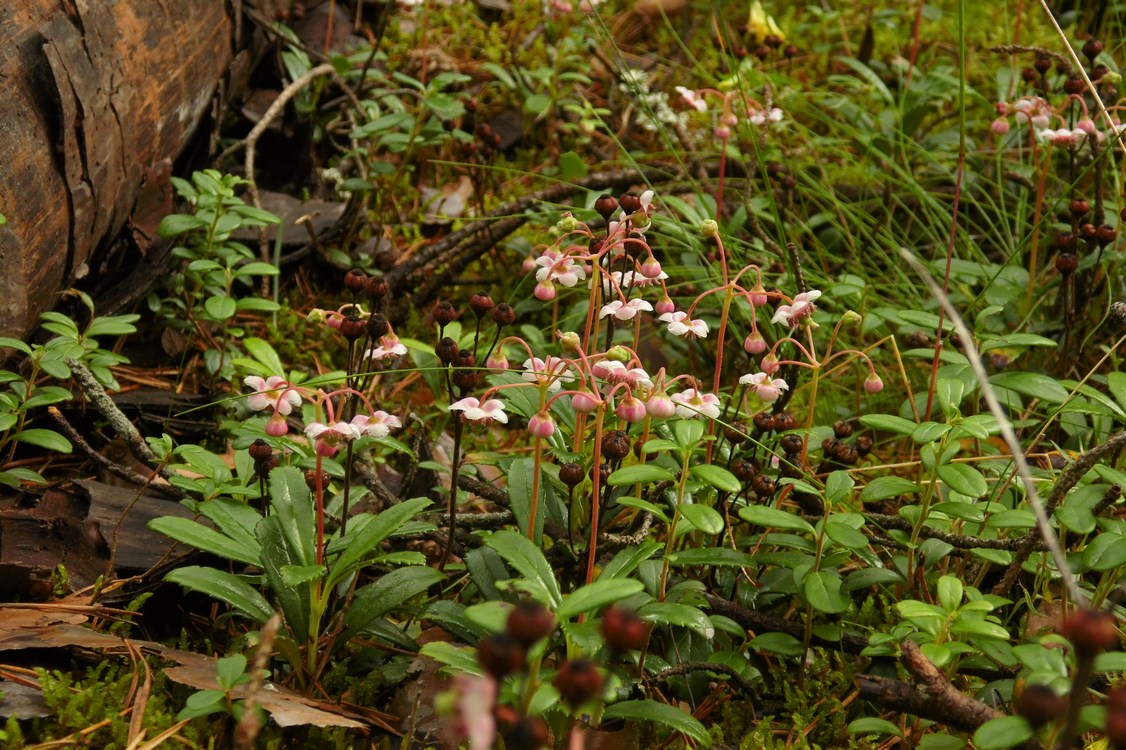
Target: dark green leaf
[(888, 423), (702, 517), (717, 477), (1032, 384), (822, 590), (371, 535), (596, 595), (772, 518), (963, 478), (640, 474), (224, 587), (388, 593), (42, 438), (197, 535), (882, 488), (1003, 732), (873, 725), (673, 718), (528, 560)]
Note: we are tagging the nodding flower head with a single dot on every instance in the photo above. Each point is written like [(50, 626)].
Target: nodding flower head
[(692, 99), (660, 406), (873, 384), (556, 266), (389, 347), (801, 308), (552, 372), (327, 439), (541, 425), (681, 325), (378, 424), (272, 392), (693, 403), (614, 372), (631, 409), (767, 389), (754, 343), (474, 410), (625, 310), (584, 402)]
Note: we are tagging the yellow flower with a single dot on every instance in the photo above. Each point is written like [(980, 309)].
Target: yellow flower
[(761, 25)]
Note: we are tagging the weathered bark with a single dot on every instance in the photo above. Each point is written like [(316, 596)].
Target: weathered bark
[(97, 98)]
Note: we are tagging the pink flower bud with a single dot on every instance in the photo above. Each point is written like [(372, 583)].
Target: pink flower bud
[(1000, 126), (769, 364), (1087, 125), (584, 402), (873, 384), (758, 295), (334, 321), (651, 268), (665, 306), (660, 406), (529, 264), (276, 426), (754, 343), (723, 132), (541, 425), (631, 409), (545, 291), (497, 361), (325, 448), (1041, 121)]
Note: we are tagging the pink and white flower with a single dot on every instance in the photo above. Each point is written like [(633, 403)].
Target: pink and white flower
[(552, 372), (377, 425), (692, 99), (631, 409), (327, 439), (473, 410), (761, 117), (558, 267), (389, 347), (802, 307), (766, 388), (541, 425), (693, 403), (660, 406), (614, 372), (274, 392), (681, 325), (625, 310)]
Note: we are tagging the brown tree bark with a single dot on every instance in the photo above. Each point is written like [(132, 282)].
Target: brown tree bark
[(97, 98)]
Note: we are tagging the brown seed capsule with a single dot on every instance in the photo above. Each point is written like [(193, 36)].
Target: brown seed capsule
[(376, 289), (355, 280), (378, 326), (578, 681), (615, 445), (464, 358), (1116, 717), (503, 315), (761, 52), (606, 205), (1079, 208), (744, 469), (311, 479), (784, 421), (1065, 241), (260, 451), (630, 203), (791, 444), (446, 350), (842, 429), (571, 474), (465, 379), (788, 182), (623, 630), (1088, 231), (1040, 705), (790, 50), (1090, 631), (1043, 64), (1105, 235), (444, 313), (736, 433), (352, 327), (1029, 75), (1074, 86), (638, 447), (863, 445), (1066, 263), (500, 655), (829, 445), (481, 303), (603, 473), (764, 422), (1092, 48), (847, 455), (763, 486), (529, 623)]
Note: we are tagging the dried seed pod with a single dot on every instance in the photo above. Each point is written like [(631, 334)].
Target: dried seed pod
[(744, 469), (606, 205), (578, 681), (481, 303), (1090, 631), (863, 445), (630, 203), (615, 445), (500, 655), (764, 422), (260, 451), (529, 623), (503, 315), (1039, 704), (353, 327), (444, 313), (571, 474), (1092, 48), (791, 444), (623, 630), (842, 429), (355, 280)]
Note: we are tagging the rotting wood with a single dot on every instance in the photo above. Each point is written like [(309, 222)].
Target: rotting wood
[(96, 101)]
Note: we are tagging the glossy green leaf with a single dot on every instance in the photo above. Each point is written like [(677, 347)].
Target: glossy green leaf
[(882, 488), (782, 644), (1032, 384), (669, 716), (713, 556), (226, 588), (194, 534), (873, 725), (364, 541), (1106, 551), (928, 432), (964, 479), (772, 518), (822, 589), (596, 595), (528, 560), (48, 439), (702, 517), (390, 592), (888, 423), (1003, 732), (717, 477), (640, 474)]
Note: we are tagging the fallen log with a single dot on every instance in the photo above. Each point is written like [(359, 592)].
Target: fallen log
[(97, 100)]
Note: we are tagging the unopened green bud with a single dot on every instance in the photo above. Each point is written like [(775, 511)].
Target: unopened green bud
[(567, 224), (570, 340), (709, 228), (316, 315), (851, 319), (619, 354)]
